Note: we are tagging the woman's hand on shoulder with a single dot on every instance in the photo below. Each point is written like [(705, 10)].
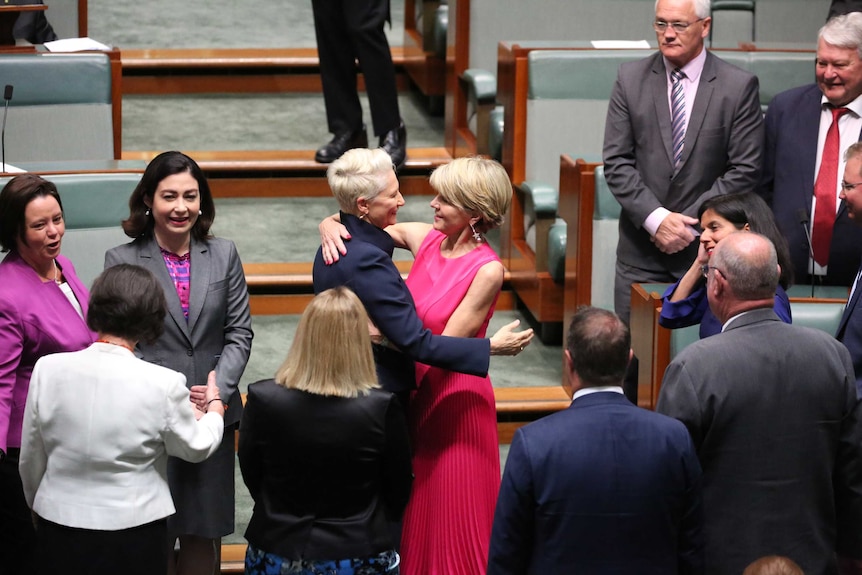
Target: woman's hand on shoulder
[(332, 236)]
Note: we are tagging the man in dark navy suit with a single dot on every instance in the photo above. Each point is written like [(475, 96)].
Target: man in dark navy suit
[(604, 486), (850, 329), (801, 170)]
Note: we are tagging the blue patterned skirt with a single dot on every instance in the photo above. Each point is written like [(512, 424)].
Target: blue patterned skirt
[(258, 562)]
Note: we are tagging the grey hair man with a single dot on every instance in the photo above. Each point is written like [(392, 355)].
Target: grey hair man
[(808, 128)]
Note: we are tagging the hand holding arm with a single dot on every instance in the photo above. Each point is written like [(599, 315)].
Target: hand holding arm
[(332, 236), (507, 341), (674, 233)]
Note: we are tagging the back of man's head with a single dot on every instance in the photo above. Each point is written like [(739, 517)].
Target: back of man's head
[(748, 263), (598, 344), (773, 565)]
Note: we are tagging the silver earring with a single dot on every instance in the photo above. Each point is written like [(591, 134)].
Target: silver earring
[(200, 212), (476, 235), (147, 212)]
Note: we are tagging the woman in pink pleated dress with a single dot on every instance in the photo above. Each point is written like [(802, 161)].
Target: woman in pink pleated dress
[(455, 281)]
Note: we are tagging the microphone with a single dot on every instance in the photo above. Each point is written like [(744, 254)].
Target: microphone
[(7, 95), (802, 214)]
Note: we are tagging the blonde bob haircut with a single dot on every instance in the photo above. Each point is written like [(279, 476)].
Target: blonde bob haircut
[(331, 351), (358, 173), (479, 186)]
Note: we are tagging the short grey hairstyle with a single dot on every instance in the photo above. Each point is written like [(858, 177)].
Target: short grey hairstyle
[(843, 31), (854, 151), (702, 8), (358, 173), (749, 264)]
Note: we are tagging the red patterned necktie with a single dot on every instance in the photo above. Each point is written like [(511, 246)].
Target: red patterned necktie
[(825, 190)]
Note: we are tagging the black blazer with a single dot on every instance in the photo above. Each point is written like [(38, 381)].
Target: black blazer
[(327, 474), (368, 270)]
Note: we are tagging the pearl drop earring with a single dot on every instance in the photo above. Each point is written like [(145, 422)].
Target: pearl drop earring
[(147, 212), (476, 235)]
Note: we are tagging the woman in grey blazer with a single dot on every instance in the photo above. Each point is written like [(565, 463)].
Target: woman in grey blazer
[(208, 326), (98, 428)]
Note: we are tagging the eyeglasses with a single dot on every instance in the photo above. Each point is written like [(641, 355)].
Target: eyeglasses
[(678, 27), (847, 186), (704, 269)]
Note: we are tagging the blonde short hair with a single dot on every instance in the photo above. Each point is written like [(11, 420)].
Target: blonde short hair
[(476, 185), (358, 173), (331, 351)]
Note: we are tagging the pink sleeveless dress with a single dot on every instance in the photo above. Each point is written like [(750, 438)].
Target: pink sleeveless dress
[(453, 427)]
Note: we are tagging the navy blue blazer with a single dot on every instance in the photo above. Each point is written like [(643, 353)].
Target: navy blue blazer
[(850, 334), (602, 487), (789, 158), (368, 270)]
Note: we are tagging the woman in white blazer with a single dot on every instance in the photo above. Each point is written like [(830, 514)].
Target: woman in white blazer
[(99, 425)]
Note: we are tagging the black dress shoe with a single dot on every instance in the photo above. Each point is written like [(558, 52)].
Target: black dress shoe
[(340, 144), (394, 142)]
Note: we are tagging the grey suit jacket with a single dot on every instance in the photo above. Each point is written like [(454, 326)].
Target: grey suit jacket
[(773, 413), (218, 332), (722, 153)]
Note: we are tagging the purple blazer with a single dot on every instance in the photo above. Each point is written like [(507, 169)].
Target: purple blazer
[(35, 319)]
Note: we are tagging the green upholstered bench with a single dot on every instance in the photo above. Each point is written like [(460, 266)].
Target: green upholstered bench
[(824, 316), (93, 205), (733, 22), (63, 107), (568, 92)]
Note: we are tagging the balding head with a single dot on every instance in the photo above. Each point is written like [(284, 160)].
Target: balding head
[(743, 274)]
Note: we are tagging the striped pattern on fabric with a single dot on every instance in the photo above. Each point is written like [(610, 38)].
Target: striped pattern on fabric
[(677, 112)]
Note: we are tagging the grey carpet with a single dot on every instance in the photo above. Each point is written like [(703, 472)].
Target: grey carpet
[(537, 365), (253, 122), (285, 229), (214, 24)]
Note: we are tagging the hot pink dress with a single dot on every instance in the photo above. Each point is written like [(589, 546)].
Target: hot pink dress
[(453, 427)]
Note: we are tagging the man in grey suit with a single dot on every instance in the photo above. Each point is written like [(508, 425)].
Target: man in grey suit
[(673, 141), (772, 410)]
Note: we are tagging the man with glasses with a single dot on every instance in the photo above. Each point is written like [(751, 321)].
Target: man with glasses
[(682, 126), (850, 329), (807, 130), (772, 411)]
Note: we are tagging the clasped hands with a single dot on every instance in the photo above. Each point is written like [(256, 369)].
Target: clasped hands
[(674, 233), (203, 397)]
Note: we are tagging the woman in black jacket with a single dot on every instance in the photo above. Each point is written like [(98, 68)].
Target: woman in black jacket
[(324, 452)]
